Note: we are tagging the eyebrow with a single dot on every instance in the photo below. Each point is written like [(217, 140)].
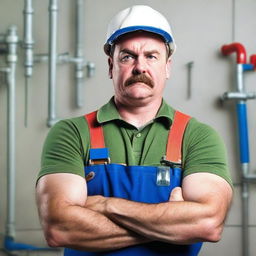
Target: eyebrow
[(133, 53)]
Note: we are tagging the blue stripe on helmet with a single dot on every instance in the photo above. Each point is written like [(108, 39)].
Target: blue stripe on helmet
[(167, 37)]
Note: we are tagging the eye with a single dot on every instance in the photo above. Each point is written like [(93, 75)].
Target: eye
[(126, 57), (151, 56)]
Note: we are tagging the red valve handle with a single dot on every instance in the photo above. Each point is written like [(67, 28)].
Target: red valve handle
[(238, 49)]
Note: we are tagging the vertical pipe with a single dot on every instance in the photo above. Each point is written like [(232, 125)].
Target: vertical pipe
[(243, 132), (79, 73), (245, 213), (53, 14), (239, 78), (244, 159), (11, 40), (28, 46), (28, 39)]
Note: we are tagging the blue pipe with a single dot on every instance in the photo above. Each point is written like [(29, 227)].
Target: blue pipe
[(243, 132), (11, 245), (248, 67)]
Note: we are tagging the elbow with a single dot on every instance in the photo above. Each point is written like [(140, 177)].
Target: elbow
[(54, 236), (212, 230)]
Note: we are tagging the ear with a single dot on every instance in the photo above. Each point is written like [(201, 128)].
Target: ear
[(110, 67), (168, 68)]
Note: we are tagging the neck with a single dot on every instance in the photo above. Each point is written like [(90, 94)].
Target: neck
[(138, 115)]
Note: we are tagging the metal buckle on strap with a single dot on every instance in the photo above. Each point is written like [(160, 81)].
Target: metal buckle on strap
[(99, 156), (99, 161), (169, 163)]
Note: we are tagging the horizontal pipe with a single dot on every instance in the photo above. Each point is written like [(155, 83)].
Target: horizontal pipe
[(250, 178), (5, 70), (238, 96), (11, 245), (61, 58)]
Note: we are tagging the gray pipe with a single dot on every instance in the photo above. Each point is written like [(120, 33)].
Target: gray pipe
[(28, 43), (53, 15), (79, 73), (245, 212), (11, 41), (28, 38)]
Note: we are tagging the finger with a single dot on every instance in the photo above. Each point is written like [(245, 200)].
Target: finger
[(176, 195)]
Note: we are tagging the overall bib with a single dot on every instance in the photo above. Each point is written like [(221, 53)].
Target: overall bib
[(148, 184)]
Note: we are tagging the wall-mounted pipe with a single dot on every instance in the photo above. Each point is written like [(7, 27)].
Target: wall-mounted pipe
[(253, 60), (52, 66), (235, 48), (28, 43), (11, 59), (53, 58), (79, 55), (11, 42), (241, 96)]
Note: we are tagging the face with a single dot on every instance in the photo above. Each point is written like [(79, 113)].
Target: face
[(139, 68)]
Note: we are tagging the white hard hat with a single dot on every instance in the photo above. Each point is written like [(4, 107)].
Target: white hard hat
[(137, 18)]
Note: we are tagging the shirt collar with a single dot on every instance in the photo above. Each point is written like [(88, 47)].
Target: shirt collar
[(109, 112)]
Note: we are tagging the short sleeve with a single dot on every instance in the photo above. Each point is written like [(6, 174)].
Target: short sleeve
[(204, 151), (64, 148)]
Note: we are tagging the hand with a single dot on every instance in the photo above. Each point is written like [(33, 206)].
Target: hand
[(96, 203), (176, 195)]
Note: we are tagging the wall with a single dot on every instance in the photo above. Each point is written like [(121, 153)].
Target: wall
[(200, 27)]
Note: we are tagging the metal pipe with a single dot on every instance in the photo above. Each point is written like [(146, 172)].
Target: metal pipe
[(53, 15), (241, 96), (11, 41), (245, 212), (79, 55), (239, 78), (238, 49), (28, 43), (189, 90)]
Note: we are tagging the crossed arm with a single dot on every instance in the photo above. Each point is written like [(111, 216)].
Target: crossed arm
[(72, 219)]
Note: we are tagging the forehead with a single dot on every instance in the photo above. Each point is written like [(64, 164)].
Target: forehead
[(141, 40)]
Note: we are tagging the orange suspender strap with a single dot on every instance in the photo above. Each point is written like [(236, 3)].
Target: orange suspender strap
[(174, 144), (96, 131)]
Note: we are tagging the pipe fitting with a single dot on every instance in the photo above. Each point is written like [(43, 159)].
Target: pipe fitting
[(90, 69), (238, 49), (238, 96)]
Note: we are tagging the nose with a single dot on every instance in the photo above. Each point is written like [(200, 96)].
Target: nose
[(139, 67)]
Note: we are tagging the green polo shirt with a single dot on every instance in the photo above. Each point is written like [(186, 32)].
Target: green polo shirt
[(67, 145)]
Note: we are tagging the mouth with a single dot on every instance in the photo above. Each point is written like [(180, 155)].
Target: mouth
[(141, 78)]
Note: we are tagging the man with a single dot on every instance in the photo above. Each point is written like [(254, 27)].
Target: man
[(134, 206)]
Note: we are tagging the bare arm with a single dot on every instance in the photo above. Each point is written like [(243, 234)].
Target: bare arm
[(66, 222), (195, 214)]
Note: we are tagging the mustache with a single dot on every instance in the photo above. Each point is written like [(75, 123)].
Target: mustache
[(140, 78)]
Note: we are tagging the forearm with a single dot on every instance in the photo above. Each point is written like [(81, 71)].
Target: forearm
[(173, 222), (67, 222), (195, 213), (84, 229)]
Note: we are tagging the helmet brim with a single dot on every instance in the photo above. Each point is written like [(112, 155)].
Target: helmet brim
[(111, 40)]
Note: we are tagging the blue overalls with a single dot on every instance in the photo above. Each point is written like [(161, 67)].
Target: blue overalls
[(148, 184)]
